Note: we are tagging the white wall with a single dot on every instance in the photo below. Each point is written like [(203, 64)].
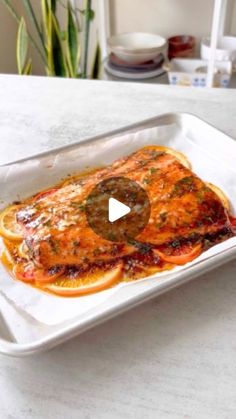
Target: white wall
[(233, 19), (8, 35), (167, 17), (7, 41)]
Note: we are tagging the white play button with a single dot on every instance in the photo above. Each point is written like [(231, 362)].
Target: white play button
[(117, 210)]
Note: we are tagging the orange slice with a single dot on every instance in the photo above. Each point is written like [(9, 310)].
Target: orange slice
[(21, 250), (180, 259), (45, 277), (88, 284), (9, 228), (12, 246), (224, 199), (7, 259), (179, 156)]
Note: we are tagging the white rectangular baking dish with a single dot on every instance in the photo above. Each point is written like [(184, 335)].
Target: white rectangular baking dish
[(33, 336)]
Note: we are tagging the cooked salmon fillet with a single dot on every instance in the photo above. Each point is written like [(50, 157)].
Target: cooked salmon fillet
[(183, 209)]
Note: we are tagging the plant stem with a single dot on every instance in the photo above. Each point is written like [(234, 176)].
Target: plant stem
[(17, 18), (87, 14)]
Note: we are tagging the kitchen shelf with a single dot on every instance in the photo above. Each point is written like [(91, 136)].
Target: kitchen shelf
[(218, 29)]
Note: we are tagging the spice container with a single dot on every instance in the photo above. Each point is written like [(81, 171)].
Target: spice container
[(187, 72)]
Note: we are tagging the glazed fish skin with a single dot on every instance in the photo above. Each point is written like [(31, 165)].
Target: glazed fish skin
[(55, 226)]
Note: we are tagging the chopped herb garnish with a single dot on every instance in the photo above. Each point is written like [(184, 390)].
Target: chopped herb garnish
[(208, 218), (163, 218), (54, 245), (207, 244), (201, 194), (184, 185), (133, 196), (96, 252), (147, 180), (156, 154), (175, 244), (194, 237), (112, 237), (78, 205), (142, 247), (153, 170)]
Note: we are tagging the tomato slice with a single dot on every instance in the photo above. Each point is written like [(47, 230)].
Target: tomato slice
[(24, 272), (233, 221), (27, 272), (181, 259)]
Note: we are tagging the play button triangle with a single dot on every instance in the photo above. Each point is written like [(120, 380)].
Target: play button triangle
[(117, 210)]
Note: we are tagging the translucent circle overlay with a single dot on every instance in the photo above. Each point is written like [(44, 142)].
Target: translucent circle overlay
[(127, 192)]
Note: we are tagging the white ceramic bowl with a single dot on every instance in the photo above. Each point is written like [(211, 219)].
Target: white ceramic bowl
[(137, 47), (130, 58), (226, 50)]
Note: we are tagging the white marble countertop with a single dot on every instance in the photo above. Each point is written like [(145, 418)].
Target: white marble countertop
[(173, 357)]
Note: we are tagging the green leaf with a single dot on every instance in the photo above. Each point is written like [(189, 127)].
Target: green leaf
[(28, 68), (72, 43), (47, 33), (60, 67), (89, 13), (49, 23), (51, 5), (44, 9), (21, 46), (63, 35), (86, 37), (96, 63), (54, 6)]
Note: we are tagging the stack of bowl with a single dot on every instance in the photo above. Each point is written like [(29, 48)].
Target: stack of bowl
[(136, 55)]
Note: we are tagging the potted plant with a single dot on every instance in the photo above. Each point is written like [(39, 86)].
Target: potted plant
[(60, 49)]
